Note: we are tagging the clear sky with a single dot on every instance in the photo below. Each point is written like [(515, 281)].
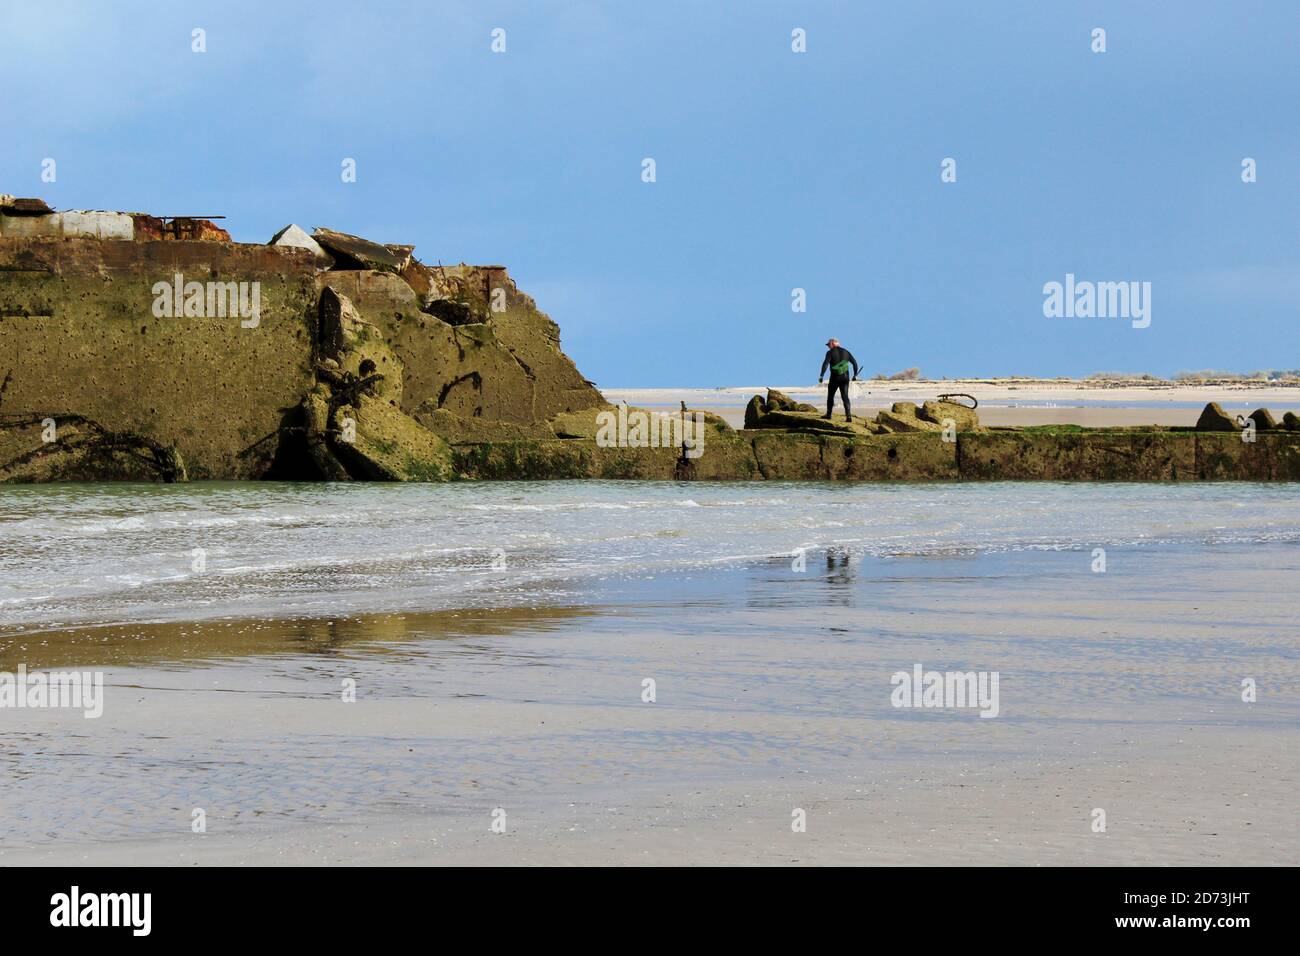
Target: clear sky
[(775, 170)]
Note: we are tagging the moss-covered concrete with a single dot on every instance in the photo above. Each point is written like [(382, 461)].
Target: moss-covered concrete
[(459, 429), (500, 364), (78, 335), (432, 374), (1272, 456), (385, 444), (559, 458), (1101, 455)]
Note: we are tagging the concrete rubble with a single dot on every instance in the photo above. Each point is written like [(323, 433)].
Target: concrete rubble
[(360, 253), (294, 237), (364, 363)]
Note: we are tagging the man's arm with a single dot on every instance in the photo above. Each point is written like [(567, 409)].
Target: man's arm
[(825, 365), (854, 361)]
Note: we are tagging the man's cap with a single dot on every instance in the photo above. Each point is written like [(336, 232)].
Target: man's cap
[(832, 341)]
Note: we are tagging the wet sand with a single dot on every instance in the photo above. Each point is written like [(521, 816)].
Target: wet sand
[(1119, 691), (1177, 810)]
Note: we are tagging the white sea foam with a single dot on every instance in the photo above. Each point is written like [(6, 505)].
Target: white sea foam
[(104, 553)]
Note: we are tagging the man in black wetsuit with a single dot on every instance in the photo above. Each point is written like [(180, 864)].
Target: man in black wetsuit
[(838, 360)]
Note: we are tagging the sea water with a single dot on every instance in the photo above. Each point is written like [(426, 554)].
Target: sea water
[(122, 553), (278, 656)]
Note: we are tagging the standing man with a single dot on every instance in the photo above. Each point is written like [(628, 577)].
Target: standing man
[(838, 360)]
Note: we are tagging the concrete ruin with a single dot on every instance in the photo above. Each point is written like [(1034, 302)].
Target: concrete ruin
[(144, 347), (360, 363), (938, 441)]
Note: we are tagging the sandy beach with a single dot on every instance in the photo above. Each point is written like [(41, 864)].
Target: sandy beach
[(387, 479), (1004, 401), (1120, 691)]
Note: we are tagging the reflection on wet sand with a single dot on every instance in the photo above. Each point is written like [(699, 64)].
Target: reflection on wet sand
[(156, 643), (1117, 690)]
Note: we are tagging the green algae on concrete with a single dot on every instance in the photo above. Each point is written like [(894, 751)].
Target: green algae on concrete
[(459, 429), (964, 419), (560, 458), (903, 417), (728, 455), (1102, 455), (584, 423), (79, 335), (811, 422), (740, 456), (82, 450), (779, 412), (387, 445), (1272, 456), (425, 374), (916, 457), (1263, 419), (1215, 419)]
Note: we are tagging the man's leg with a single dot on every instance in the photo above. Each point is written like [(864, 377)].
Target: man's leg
[(844, 395), (830, 397)]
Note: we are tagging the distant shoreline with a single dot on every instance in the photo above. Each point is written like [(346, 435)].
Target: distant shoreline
[(1007, 401), (1007, 382)]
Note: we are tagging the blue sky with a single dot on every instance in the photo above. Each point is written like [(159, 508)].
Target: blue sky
[(775, 170)]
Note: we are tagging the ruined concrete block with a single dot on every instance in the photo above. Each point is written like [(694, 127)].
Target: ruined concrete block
[(357, 348), (579, 424), (778, 401), (388, 445), (1101, 455), (75, 224), (712, 419), (294, 237), (1263, 419), (965, 419), (533, 342), (363, 253), (98, 225), (371, 291), (456, 429), (469, 369), (525, 460), (1272, 456), (912, 457), (726, 456), (785, 456), (216, 390), (904, 418), (1215, 419)]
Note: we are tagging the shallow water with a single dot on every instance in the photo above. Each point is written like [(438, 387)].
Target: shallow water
[(522, 687), (77, 555)]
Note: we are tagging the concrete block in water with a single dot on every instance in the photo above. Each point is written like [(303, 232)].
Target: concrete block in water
[(1272, 456), (912, 457), (1080, 456)]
